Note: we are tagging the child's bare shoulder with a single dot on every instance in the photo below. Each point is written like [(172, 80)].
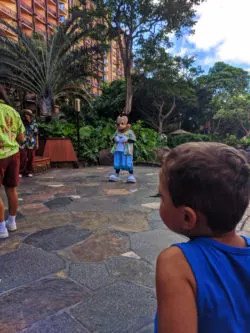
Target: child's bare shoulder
[(172, 265)]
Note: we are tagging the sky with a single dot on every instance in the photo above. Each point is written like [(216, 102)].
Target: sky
[(222, 33)]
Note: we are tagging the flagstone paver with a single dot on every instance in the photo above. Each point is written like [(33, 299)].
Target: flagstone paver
[(83, 257), (119, 308), (25, 265), (62, 323), (36, 302), (57, 238)]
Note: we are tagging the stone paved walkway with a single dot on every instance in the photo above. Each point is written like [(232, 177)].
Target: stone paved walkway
[(83, 258)]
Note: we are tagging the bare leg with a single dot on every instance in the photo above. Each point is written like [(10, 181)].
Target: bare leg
[(11, 193), (1, 210)]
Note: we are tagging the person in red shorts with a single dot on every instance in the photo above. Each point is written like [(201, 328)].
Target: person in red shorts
[(31, 144), (11, 133)]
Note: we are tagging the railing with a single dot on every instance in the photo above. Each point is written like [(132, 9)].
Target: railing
[(27, 23), (51, 26), (41, 18), (40, 2), (37, 29), (24, 5), (7, 11), (51, 11), (3, 27)]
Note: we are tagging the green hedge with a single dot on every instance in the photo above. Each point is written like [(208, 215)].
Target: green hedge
[(175, 140)]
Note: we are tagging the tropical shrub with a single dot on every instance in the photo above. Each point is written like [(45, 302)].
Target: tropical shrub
[(245, 142), (232, 140), (94, 138), (175, 140), (147, 141)]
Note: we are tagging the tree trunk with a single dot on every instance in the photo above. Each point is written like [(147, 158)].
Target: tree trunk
[(160, 129), (129, 94), (46, 106)]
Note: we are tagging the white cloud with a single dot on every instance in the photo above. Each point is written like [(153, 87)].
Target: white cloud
[(223, 29), (183, 52)]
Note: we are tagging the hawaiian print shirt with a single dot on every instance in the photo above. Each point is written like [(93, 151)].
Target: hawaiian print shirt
[(31, 132), (128, 146), (10, 127)]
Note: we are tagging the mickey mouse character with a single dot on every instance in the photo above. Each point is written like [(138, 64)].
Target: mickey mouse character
[(123, 149)]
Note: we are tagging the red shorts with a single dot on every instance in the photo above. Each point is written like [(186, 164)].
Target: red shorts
[(9, 171)]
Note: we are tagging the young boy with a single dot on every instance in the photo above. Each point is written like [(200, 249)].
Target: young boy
[(204, 285), (31, 144)]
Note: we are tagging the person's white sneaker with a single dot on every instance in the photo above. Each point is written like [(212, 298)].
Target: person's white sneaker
[(30, 175), (131, 179), (114, 178), (20, 176), (4, 233), (11, 226)]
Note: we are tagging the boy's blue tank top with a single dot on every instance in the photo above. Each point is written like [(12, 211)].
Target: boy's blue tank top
[(222, 275)]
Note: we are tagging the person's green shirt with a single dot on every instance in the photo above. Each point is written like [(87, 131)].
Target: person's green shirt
[(10, 127)]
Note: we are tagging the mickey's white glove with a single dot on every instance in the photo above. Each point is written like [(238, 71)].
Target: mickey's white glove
[(121, 139), (117, 139), (124, 139)]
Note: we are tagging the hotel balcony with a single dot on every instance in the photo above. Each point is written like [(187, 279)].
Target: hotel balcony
[(40, 31), (40, 3), (51, 27), (26, 7), (27, 24), (52, 12), (52, 1), (40, 18), (5, 31), (5, 12)]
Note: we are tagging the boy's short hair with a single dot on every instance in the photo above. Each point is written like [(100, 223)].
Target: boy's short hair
[(211, 178)]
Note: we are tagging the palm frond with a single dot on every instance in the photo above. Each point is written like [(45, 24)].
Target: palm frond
[(52, 69)]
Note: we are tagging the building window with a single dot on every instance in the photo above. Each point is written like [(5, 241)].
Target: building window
[(62, 19), (104, 78), (62, 6)]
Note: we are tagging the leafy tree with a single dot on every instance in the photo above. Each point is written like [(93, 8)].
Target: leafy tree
[(225, 79), (235, 110), (165, 90), (221, 82), (112, 100), (53, 69), (132, 22)]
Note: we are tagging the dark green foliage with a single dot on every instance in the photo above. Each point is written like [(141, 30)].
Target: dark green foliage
[(100, 136), (146, 142), (175, 140), (245, 143), (232, 140), (57, 129), (112, 101)]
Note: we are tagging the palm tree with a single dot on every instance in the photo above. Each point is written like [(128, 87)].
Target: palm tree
[(51, 69)]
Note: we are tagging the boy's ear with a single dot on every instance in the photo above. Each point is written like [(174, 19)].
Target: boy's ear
[(190, 218)]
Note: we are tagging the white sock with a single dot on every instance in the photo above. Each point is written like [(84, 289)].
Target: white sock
[(2, 226), (11, 219)]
